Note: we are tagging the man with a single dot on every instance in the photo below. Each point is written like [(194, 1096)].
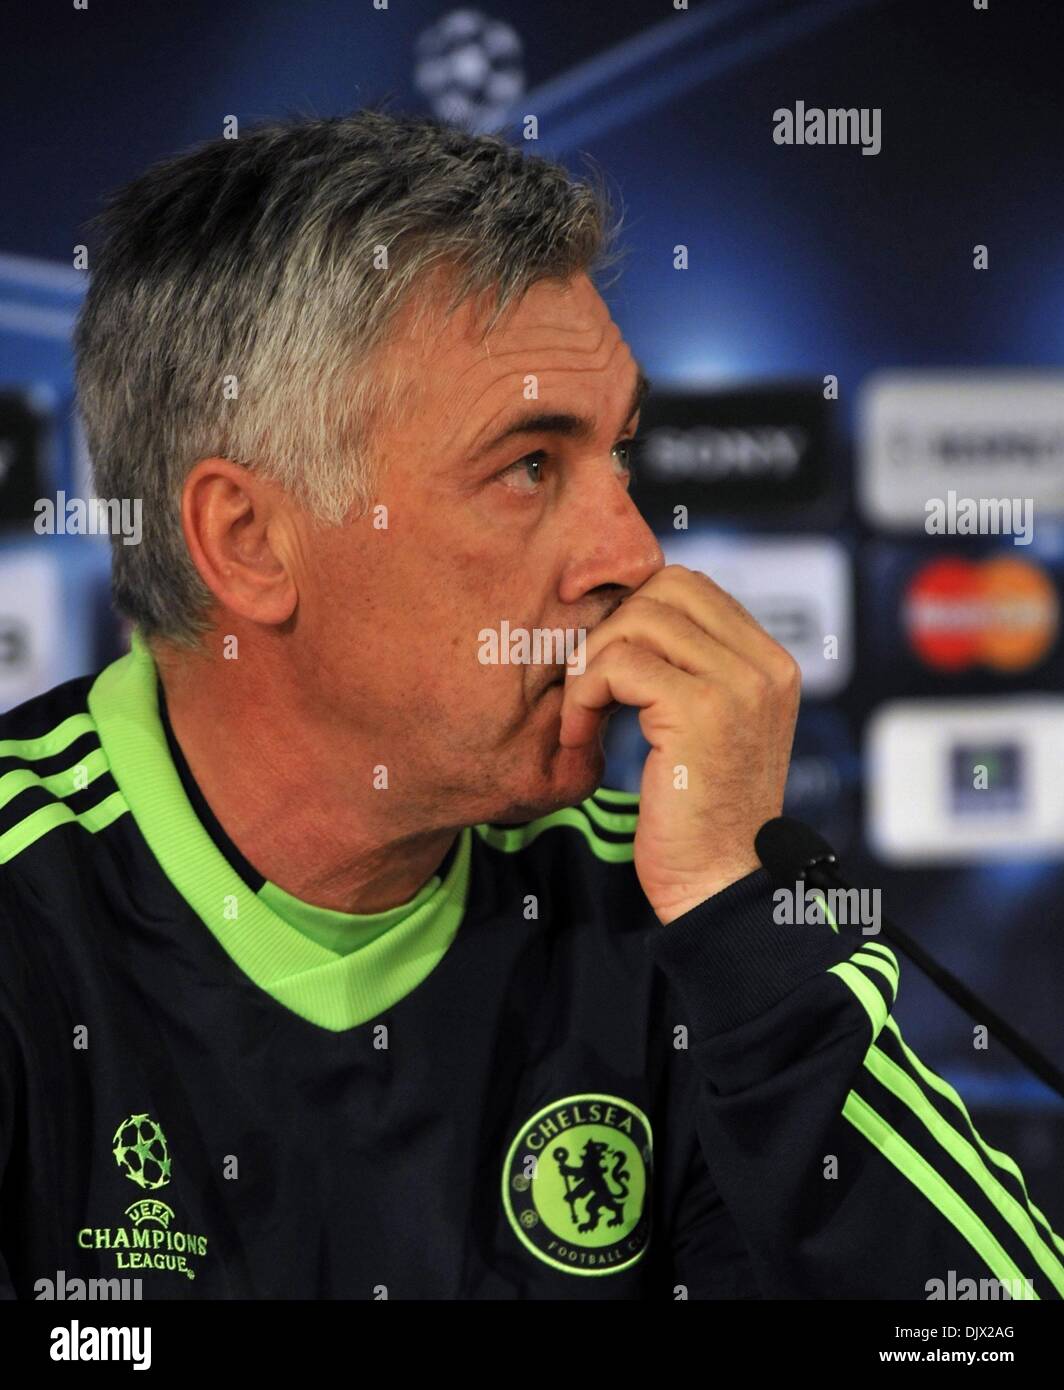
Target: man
[(329, 970)]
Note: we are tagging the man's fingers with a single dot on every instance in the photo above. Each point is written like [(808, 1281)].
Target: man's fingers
[(670, 633), (622, 673), (714, 610)]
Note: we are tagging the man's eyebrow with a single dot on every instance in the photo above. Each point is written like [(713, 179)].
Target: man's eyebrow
[(573, 426)]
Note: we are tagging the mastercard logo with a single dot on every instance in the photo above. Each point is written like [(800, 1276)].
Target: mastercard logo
[(1002, 613)]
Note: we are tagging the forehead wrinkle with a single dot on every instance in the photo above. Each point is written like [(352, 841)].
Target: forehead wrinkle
[(554, 367)]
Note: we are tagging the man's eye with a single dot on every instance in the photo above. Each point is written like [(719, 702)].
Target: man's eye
[(525, 474), (631, 454)]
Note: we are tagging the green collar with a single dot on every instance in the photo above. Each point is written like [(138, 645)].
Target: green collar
[(341, 932), (335, 991)]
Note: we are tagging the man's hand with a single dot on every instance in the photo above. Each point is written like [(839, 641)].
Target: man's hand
[(718, 700)]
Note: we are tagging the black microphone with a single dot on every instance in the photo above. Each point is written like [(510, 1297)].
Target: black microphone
[(789, 850), (792, 852)]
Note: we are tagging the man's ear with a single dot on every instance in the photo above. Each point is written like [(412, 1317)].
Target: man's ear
[(239, 529)]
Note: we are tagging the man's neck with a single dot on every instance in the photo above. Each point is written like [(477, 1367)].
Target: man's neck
[(294, 814)]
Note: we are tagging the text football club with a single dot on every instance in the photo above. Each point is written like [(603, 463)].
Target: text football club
[(148, 1242), (576, 1184)]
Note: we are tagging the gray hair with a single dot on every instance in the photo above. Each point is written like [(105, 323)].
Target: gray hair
[(256, 260)]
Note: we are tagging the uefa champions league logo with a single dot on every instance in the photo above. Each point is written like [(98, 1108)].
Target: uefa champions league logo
[(153, 1239), (469, 68)]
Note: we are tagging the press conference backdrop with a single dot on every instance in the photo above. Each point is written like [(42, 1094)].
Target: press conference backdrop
[(837, 335)]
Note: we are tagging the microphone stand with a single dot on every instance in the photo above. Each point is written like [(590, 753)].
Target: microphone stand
[(790, 851)]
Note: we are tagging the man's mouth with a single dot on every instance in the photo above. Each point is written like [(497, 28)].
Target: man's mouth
[(556, 680)]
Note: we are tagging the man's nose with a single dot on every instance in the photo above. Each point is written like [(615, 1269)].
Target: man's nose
[(619, 547), (641, 555)]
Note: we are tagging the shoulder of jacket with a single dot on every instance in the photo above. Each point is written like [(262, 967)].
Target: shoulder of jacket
[(602, 826), (53, 769)]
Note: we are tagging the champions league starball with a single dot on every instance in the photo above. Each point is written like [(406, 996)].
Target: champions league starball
[(469, 67), (140, 1151)]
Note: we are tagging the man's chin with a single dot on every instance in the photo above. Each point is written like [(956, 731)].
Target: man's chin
[(571, 775)]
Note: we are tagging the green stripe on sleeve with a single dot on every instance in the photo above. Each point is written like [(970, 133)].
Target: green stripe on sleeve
[(829, 916), (881, 966), (1003, 1160), (904, 1088), (915, 1168), (873, 1002), (882, 950)]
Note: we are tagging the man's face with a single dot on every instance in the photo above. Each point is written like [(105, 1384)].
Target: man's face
[(536, 530)]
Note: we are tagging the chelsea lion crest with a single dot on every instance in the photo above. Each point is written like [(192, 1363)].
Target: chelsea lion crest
[(576, 1184)]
